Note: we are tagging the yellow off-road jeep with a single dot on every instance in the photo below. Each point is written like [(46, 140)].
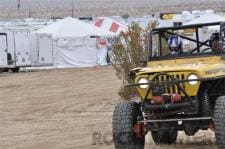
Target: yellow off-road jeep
[(182, 88)]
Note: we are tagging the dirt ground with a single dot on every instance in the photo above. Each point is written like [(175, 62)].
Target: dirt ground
[(67, 109)]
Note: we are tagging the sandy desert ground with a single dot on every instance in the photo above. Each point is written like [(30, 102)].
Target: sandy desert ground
[(61, 109)]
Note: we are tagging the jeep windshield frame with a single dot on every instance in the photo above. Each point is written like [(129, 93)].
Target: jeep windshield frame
[(163, 33)]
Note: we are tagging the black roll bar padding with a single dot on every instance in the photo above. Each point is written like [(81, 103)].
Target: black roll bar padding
[(197, 38), (200, 25), (160, 43), (200, 45), (150, 45), (196, 26)]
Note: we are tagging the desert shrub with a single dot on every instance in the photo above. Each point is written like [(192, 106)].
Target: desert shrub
[(128, 51)]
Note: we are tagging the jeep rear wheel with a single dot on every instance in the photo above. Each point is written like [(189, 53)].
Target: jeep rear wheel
[(164, 136), (125, 117), (219, 121)]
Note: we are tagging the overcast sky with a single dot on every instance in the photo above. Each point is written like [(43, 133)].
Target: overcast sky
[(62, 8), (37, 4)]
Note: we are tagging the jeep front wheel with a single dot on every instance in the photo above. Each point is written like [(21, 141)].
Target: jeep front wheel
[(219, 121), (125, 117)]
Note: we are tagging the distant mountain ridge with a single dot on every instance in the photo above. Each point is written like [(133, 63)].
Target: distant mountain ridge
[(62, 8)]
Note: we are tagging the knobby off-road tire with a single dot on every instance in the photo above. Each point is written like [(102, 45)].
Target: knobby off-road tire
[(125, 116), (219, 121), (164, 136)]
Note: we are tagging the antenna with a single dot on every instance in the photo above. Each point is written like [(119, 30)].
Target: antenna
[(18, 4)]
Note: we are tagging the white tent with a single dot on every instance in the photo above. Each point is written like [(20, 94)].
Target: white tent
[(206, 18), (73, 43), (71, 27), (75, 52)]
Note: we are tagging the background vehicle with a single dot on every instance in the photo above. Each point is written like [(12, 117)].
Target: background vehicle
[(179, 92), (20, 48)]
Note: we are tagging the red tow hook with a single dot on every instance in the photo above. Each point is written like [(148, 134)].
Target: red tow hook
[(158, 99), (175, 98), (139, 130)]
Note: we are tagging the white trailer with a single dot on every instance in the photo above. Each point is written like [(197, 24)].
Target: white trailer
[(34, 50), (17, 49), (41, 50), (21, 48), (3, 51)]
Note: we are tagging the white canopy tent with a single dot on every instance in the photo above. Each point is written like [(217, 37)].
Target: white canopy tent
[(74, 45), (75, 52), (71, 27)]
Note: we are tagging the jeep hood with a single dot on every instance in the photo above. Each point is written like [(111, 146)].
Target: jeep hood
[(206, 67)]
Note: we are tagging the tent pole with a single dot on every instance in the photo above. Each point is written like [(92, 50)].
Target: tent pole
[(72, 9)]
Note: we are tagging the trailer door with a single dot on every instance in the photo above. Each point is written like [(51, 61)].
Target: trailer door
[(34, 49), (22, 49), (45, 50), (3, 50)]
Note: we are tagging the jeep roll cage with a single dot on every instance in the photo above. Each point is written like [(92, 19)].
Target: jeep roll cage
[(164, 32)]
